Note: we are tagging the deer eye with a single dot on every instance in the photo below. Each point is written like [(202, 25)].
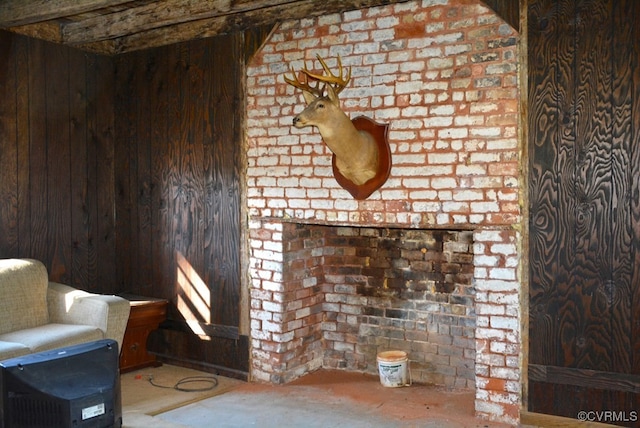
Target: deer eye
[(320, 105)]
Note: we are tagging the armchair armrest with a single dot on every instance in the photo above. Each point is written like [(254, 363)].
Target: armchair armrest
[(68, 305)]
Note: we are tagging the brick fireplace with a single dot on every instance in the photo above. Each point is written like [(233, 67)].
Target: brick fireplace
[(429, 263)]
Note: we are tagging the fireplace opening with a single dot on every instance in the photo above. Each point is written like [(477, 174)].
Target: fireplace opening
[(352, 292)]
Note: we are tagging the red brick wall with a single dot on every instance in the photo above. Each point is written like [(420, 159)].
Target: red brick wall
[(443, 75)]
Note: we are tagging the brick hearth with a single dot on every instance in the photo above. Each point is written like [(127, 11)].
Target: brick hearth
[(335, 280)]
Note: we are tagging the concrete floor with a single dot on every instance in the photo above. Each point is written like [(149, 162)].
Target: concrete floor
[(329, 399)]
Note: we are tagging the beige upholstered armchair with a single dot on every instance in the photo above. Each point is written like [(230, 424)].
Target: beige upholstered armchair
[(38, 315)]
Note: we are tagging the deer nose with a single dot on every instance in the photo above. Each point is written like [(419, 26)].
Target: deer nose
[(295, 119)]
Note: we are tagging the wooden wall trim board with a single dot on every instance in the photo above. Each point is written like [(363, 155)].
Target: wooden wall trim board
[(534, 420), (208, 330), (587, 378), (523, 122)]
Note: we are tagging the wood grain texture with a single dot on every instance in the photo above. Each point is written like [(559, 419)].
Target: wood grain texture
[(82, 222), (9, 157), (124, 180), (224, 196), (22, 143), (20, 12), (623, 289), (184, 133), (595, 400), (151, 15), (634, 183), (123, 174), (548, 421), (51, 160), (583, 195), (219, 355), (543, 183), (56, 123), (37, 247), (105, 172), (163, 144), (585, 378)]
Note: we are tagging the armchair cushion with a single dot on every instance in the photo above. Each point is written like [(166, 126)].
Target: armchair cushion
[(52, 336), (11, 350), (23, 294)]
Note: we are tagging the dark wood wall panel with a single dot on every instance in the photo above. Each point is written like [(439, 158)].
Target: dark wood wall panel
[(625, 173), (123, 174), (83, 257), (57, 118), (178, 181), (102, 135), (544, 185), (9, 158), (37, 247), (56, 157), (634, 185), (224, 192), (584, 170)]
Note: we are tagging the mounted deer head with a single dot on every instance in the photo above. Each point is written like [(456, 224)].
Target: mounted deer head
[(356, 152)]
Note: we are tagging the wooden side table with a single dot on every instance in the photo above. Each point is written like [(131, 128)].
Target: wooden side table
[(145, 316)]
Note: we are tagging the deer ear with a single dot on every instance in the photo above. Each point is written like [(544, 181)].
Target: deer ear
[(333, 97), (308, 97)]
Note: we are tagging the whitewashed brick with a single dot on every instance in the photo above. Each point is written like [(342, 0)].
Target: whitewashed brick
[(484, 309), (490, 333), (408, 87), (497, 285), (507, 323), (505, 373), (442, 110), (504, 249), (502, 273), (468, 195), (437, 63), (453, 133), (487, 236), (438, 121)]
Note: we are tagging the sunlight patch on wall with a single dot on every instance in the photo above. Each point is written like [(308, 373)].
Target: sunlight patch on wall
[(193, 296)]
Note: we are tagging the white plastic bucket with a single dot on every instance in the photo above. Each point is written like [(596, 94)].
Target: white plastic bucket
[(392, 366)]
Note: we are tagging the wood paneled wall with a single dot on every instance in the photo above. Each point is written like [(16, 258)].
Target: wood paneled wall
[(178, 185), (123, 174), (584, 125), (178, 182), (56, 160)]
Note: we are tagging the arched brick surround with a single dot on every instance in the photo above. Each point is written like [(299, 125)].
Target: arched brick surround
[(444, 75)]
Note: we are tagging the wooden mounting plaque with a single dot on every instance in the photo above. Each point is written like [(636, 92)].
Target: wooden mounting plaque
[(379, 133)]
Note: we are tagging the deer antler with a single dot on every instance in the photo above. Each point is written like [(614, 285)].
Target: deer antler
[(337, 82), (316, 90)]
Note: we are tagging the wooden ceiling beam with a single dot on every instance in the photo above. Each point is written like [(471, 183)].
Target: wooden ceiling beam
[(49, 31), (155, 15), (22, 12), (231, 22)]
